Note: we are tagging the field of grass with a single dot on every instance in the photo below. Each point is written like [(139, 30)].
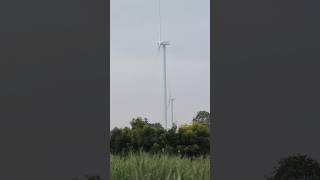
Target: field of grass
[(158, 167)]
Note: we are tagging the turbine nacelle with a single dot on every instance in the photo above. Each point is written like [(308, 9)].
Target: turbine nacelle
[(163, 43)]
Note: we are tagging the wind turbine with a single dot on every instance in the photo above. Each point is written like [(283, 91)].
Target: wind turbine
[(163, 45), (171, 100)]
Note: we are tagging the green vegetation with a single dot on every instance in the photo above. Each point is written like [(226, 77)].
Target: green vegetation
[(147, 151), (296, 167), (146, 166), (189, 140)]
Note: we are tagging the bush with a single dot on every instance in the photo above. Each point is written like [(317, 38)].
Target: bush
[(297, 167), (188, 140)]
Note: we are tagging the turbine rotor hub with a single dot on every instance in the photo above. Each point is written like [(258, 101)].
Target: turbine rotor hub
[(164, 43)]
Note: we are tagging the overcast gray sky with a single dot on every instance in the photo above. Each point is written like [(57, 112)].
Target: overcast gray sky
[(136, 68)]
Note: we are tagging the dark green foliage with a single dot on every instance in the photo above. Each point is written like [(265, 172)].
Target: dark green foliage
[(121, 140), (156, 125), (202, 117), (194, 140), (187, 141), (138, 123), (297, 167)]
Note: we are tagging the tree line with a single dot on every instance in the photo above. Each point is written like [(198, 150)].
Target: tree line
[(189, 140), (296, 167)]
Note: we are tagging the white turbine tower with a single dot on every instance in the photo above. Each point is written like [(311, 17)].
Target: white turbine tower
[(171, 100), (163, 45)]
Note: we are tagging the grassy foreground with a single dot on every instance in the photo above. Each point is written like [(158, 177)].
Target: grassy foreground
[(158, 167)]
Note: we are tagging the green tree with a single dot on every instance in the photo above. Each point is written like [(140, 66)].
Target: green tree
[(121, 140), (296, 167), (146, 135), (202, 117), (138, 123), (194, 139), (155, 125), (187, 140)]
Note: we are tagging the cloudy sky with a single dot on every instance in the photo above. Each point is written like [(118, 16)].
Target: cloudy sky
[(136, 67)]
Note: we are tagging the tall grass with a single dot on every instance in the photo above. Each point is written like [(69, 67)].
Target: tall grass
[(145, 166)]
